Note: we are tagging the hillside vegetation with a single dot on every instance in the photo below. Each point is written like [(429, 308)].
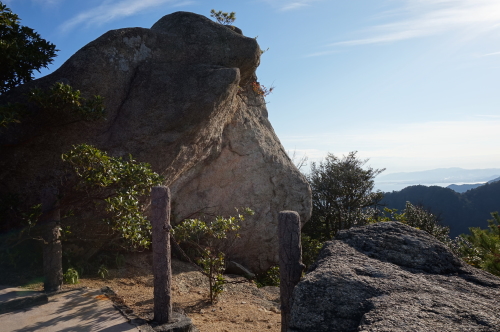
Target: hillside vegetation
[(458, 211)]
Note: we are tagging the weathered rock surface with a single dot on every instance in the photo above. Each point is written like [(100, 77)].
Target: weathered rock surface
[(179, 97), (392, 277)]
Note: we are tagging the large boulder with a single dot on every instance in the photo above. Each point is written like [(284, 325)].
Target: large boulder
[(178, 96), (392, 277)]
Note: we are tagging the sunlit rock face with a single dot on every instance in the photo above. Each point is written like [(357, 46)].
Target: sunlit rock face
[(179, 97), (392, 277)]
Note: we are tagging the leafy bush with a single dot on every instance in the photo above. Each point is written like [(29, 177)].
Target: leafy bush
[(310, 249), (481, 248), (120, 184), (62, 98), (418, 217), (269, 278)]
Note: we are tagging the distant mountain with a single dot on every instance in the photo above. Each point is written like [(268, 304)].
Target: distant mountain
[(442, 175), (439, 176), (457, 210), (461, 188), (494, 180)]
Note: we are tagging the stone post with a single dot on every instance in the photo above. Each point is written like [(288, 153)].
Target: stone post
[(290, 257), (162, 270), (52, 248)]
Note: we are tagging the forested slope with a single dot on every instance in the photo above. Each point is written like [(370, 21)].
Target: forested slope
[(459, 211)]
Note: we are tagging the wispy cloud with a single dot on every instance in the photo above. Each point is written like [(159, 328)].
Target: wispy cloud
[(487, 116), (294, 5), (420, 18), (320, 53), (112, 10), (184, 3), (287, 5), (48, 2), (417, 146), (495, 53)]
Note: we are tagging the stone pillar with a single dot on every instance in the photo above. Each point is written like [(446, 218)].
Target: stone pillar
[(290, 256), (50, 221), (162, 270)]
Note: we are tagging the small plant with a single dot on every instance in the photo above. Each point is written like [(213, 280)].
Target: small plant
[(257, 88), (222, 17), (119, 260), (11, 113), (210, 240), (269, 278), (261, 90), (103, 271), (71, 276)]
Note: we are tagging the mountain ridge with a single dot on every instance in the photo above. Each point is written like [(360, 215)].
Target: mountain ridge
[(459, 211)]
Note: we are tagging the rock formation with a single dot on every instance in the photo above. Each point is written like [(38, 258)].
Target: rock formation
[(179, 97), (392, 277)]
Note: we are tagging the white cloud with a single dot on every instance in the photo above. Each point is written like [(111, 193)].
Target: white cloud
[(109, 11), (420, 18)]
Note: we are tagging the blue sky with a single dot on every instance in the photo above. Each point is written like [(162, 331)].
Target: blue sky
[(411, 84)]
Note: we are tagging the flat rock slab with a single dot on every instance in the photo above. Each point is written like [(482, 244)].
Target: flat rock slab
[(78, 310), (393, 278)]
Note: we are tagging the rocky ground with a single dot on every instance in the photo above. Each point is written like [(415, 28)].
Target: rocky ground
[(241, 307)]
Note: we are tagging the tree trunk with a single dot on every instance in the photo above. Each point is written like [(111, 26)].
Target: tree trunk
[(290, 256), (160, 220), (52, 247)]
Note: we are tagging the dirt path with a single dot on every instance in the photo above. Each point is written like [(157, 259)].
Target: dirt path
[(241, 307)]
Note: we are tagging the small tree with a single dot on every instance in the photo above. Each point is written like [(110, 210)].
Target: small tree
[(22, 51), (211, 240), (342, 195), (481, 248), (222, 17)]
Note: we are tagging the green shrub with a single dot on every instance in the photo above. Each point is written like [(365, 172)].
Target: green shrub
[(310, 249), (481, 248), (269, 278), (71, 276), (418, 217), (119, 184)]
